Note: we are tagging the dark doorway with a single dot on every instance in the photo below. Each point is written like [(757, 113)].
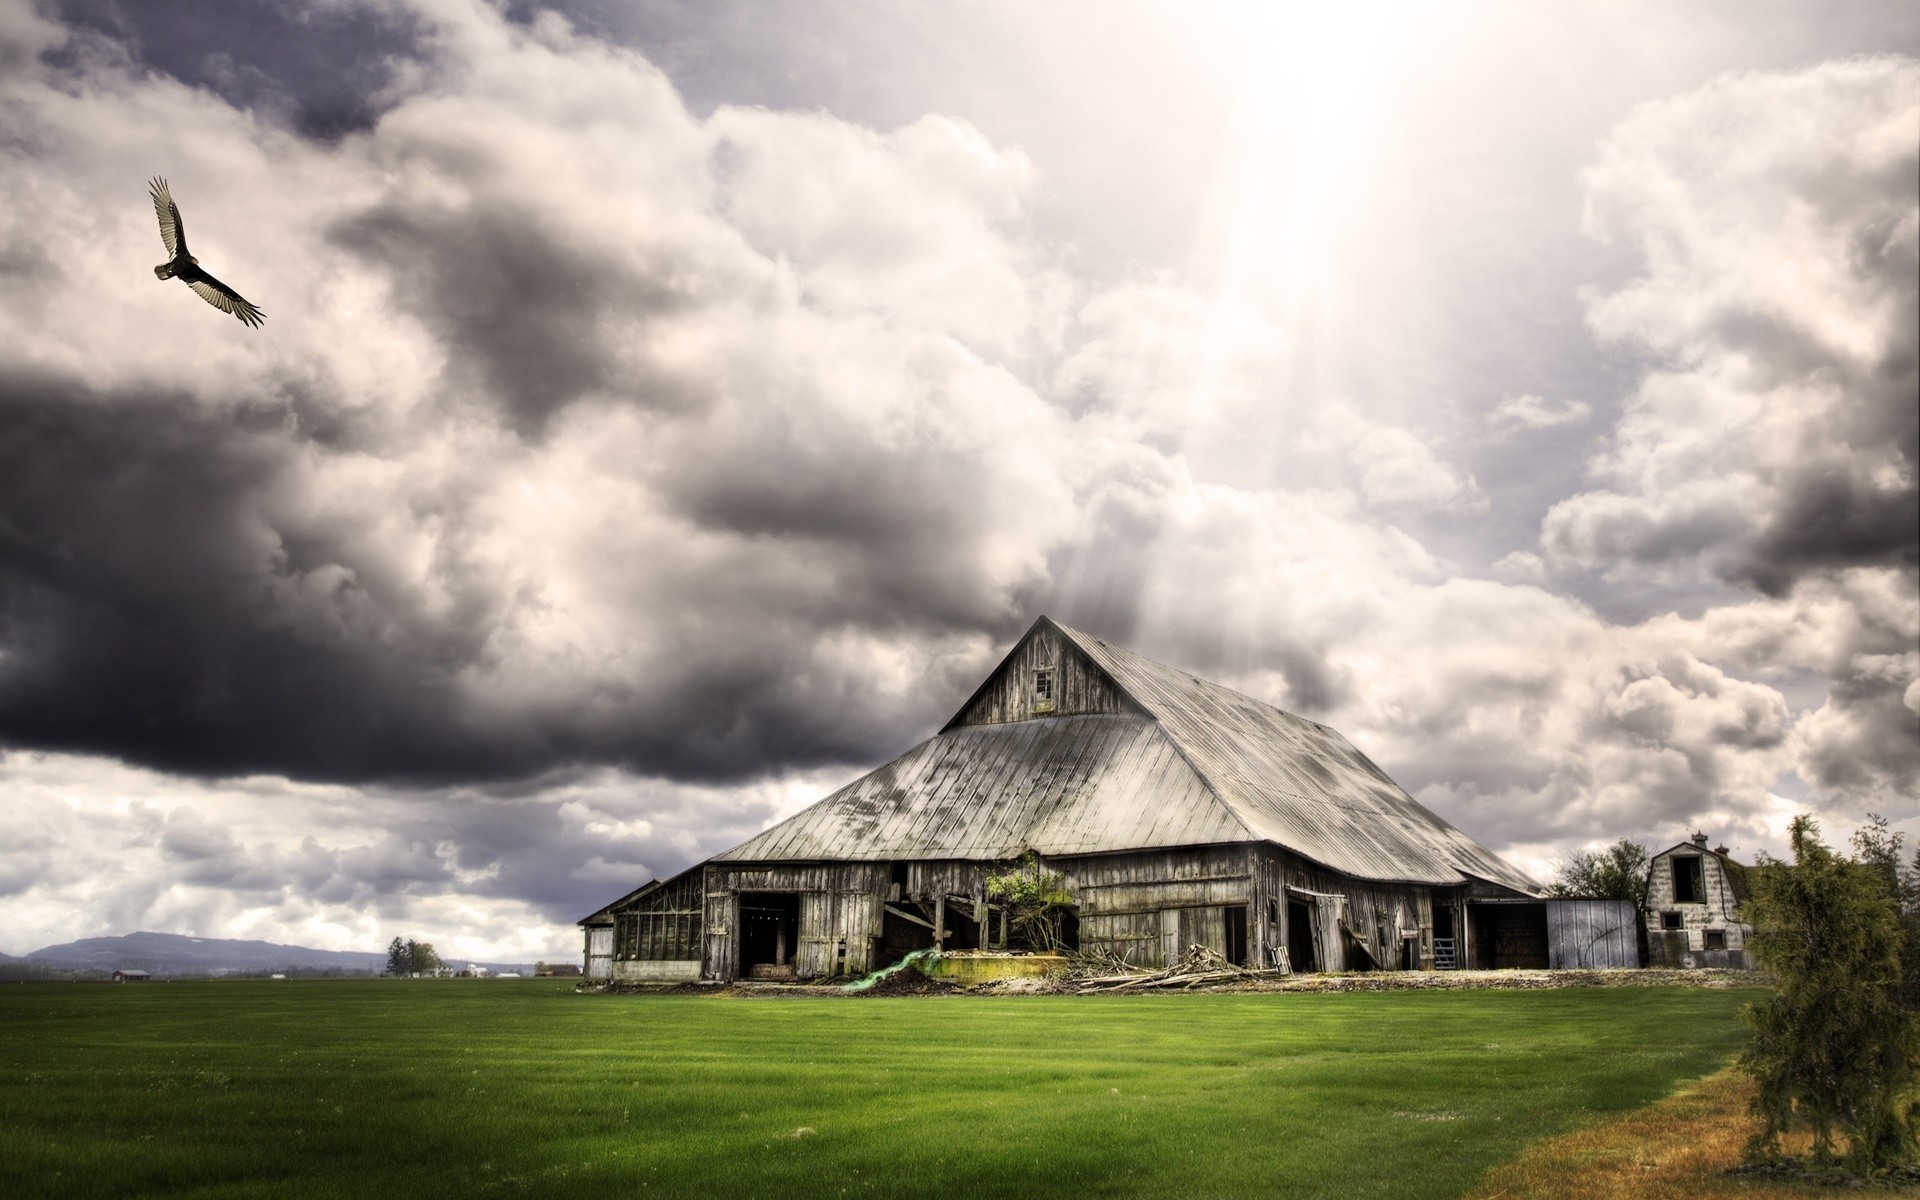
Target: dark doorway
[(904, 928), (1509, 935), (769, 934), (1689, 883), (1236, 947), (963, 932), (1300, 936)]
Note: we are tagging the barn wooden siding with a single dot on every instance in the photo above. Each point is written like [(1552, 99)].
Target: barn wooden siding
[(658, 935), (1146, 908), (1592, 934), (1079, 688), (840, 914)]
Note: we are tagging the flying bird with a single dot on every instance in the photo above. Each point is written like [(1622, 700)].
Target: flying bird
[(186, 268)]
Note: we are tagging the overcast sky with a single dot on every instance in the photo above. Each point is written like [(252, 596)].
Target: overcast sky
[(667, 412)]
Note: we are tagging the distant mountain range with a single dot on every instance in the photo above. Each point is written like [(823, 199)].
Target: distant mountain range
[(171, 954)]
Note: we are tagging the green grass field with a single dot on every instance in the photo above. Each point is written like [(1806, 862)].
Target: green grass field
[(422, 1088)]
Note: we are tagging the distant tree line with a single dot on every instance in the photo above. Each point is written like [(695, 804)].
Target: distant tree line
[(412, 958)]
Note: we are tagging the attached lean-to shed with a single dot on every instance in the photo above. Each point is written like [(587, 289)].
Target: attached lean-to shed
[(1176, 811)]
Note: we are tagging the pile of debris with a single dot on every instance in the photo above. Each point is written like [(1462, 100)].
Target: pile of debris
[(1198, 967)]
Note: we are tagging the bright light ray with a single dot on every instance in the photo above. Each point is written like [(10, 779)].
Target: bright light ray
[(1313, 82)]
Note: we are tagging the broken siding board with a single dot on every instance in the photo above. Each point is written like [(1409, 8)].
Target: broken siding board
[(1151, 897)]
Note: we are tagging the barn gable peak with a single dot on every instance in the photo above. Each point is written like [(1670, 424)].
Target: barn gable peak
[(1046, 674)]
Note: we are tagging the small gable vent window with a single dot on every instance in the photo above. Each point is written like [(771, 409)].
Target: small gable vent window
[(1043, 689)]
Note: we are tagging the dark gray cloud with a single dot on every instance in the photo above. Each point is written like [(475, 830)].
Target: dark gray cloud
[(322, 68)]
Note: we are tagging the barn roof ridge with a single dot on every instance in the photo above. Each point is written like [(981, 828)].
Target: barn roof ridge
[(1198, 763), (1220, 731)]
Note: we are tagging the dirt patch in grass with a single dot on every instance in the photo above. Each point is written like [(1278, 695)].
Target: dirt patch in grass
[(1680, 1148)]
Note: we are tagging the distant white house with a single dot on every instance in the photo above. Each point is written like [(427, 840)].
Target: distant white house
[(1693, 902), (130, 976)]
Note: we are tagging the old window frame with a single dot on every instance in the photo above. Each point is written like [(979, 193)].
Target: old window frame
[(1045, 677), (1715, 939), (1670, 921)]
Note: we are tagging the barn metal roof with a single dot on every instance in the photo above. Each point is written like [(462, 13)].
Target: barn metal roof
[(1198, 764)]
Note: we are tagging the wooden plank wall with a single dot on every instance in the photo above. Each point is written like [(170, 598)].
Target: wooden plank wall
[(1078, 685), (840, 911), (1150, 906), (663, 925), (1592, 934), (1145, 907), (1369, 907)]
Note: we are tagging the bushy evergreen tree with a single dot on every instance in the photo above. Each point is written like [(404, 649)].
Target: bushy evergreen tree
[(1838, 1044), (398, 962)]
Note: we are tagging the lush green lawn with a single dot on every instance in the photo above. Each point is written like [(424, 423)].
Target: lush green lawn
[(399, 1088)]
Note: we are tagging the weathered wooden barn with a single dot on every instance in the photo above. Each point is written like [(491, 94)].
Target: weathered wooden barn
[(1177, 811), (1693, 908)]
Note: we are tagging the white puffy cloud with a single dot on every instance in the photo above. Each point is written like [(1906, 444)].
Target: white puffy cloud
[(1775, 216)]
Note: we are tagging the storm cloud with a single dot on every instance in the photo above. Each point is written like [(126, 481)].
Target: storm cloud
[(615, 475)]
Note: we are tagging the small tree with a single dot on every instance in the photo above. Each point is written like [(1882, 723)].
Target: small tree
[(1617, 873), (421, 957), (398, 962), (1033, 898), (1837, 1043)]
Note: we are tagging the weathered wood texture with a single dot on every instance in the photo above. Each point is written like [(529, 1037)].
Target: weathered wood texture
[(664, 924), (1147, 908), (1592, 934), (840, 909), (1009, 694), (1715, 913)]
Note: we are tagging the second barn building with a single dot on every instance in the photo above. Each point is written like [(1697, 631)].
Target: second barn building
[(1176, 811)]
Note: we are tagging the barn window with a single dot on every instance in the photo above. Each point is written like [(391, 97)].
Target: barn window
[(1689, 886), (1043, 689), (1716, 939), (1670, 920)]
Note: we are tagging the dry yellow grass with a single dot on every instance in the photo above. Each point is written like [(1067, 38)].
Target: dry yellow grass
[(1677, 1149)]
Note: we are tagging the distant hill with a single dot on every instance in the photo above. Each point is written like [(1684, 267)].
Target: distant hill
[(176, 955)]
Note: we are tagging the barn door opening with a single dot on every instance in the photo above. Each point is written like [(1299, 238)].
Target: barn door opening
[(1236, 922), (1300, 943), (769, 934)]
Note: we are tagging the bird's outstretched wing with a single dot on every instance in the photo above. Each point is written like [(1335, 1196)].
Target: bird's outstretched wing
[(173, 231), (226, 299)]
